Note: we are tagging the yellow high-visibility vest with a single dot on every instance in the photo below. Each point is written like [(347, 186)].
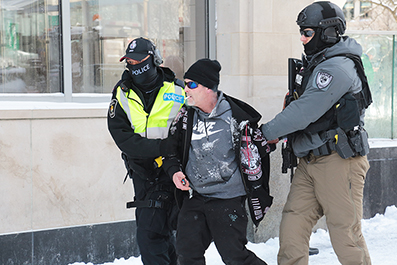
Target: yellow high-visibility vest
[(168, 102)]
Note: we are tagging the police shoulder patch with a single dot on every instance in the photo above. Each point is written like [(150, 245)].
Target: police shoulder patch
[(112, 108), (323, 80)]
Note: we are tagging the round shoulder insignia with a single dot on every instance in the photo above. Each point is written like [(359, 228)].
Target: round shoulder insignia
[(112, 108), (323, 79)]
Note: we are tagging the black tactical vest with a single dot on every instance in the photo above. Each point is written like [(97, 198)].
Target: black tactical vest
[(346, 112)]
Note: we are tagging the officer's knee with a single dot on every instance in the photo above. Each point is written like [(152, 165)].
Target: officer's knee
[(152, 243)]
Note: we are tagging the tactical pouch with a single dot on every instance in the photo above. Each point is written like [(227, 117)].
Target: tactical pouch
[(359, 141), (347, 112), (342, 145)]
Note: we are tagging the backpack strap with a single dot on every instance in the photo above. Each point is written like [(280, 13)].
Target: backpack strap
[(364, 97)]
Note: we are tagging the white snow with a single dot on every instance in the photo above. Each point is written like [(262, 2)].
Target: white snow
[(380, 233)]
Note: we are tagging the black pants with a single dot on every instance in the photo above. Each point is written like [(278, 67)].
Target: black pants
[(202, 220), (154, 237)]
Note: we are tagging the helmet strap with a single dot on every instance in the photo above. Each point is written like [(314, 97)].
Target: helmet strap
[(328, 11)]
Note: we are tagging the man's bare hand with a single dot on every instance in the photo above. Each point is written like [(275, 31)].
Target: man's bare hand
[(180, 181)]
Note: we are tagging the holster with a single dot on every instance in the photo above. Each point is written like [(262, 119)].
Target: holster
[(342, 144), (290, 161), (350, 144), (359, 141)]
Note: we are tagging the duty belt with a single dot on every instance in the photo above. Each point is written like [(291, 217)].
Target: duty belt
[(329, 146), (150, 203), (346, 144)]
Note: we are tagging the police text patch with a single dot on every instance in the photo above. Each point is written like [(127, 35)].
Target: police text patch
[(323, 80), (174, 97)]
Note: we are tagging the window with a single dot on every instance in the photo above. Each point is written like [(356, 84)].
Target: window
[(365, 7), (30, 58), (379, 59), (102, 29), (31, 49), (374, 27), (354, 9), (348, 10)]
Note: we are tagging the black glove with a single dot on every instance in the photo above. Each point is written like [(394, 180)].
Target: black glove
[(168, 147)]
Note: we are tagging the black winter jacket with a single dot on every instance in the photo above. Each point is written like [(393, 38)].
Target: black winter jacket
[(256, 180)]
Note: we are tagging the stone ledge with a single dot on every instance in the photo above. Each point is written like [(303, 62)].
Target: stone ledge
[(51, 110)]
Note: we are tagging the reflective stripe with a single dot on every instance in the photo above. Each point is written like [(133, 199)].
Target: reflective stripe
[(166, 106), (176, 107), (124, 102)]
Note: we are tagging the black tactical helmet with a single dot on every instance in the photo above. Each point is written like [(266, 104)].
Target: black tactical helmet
[(326, 16)]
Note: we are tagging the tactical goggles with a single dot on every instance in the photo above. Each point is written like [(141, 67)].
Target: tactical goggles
[(307, 33), (191, 85)]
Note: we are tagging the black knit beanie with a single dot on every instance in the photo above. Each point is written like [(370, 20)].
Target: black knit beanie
[(205, 72)]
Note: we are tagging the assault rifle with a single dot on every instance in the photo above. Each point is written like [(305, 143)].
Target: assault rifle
[(289, 158)]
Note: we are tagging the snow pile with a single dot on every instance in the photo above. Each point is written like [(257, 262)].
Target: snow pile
[(380, 233)]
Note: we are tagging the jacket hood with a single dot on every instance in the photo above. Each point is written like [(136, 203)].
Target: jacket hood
[(246, 112), (169, 75), (345, 45), (218, 110), (241, 110)]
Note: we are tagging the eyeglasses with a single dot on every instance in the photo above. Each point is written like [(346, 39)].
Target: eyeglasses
[(191, 85), (307, 33)]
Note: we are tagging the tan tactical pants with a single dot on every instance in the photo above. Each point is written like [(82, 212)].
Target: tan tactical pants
[(330, 186)]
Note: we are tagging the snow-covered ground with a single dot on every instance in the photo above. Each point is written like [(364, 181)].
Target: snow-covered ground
[(380, 233)]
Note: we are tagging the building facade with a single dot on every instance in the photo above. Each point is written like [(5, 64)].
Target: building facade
[(63, 197)]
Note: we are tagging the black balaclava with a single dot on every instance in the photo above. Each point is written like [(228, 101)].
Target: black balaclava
[(316, 44), (144, 75)]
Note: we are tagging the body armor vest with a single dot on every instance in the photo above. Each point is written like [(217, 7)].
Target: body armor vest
[(347, 111)]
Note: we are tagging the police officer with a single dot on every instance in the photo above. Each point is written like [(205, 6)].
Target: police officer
[(143, 105), (326, 124)]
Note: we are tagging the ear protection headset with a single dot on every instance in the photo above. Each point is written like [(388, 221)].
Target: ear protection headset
[(329, 35), (157, 59)]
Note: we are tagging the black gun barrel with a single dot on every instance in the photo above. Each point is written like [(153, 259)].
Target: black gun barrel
[(291, 74)]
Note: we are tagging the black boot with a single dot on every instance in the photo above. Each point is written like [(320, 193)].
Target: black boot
[(313, 251)]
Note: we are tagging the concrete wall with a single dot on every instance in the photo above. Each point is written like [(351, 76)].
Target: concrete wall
[(380, 188), (62, 194), (59, 168)]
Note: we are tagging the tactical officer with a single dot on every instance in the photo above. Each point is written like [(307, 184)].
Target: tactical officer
[(324, 121), (143, 105)]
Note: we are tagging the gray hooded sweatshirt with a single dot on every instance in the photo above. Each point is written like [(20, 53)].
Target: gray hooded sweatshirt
[(212, 168)]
